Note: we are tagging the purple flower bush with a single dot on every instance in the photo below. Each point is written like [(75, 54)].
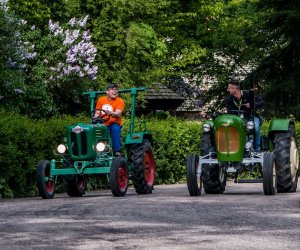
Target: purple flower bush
[(77, 49)]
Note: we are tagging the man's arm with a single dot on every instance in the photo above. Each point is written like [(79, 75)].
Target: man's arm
[(97, 113), (115, 114)]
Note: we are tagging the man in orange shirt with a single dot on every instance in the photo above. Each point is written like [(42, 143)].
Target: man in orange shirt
[(113, 106)]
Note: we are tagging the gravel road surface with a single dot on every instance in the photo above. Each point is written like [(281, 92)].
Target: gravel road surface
[(241, 218)]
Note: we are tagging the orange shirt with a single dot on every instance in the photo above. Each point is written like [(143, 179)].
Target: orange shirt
[(113, 105)]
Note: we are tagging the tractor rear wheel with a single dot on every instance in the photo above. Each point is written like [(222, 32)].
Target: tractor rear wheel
[(143, 167), (45, 184), (286, 161), (269, 174), (75, 185), (194, 182), (118, 177), (213, 176)]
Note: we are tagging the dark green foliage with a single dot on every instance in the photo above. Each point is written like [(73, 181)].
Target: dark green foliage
[(11, 79), (23, 142), (174, 139), (281, 66), (39, 12), (143, 42)]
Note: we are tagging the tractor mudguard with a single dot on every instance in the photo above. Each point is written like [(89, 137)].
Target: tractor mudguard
[(137, 137), (280, 125), (210, 122), (277, 125)]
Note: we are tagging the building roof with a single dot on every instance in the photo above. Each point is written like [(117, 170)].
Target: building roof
[(160, 91), (188, 105), (159, 97)]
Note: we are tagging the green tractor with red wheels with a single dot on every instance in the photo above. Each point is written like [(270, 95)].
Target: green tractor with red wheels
[(227, 147), (87, 150)]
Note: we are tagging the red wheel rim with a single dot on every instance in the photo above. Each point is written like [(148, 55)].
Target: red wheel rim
[(49, 184), (149, 167), (122, 177)]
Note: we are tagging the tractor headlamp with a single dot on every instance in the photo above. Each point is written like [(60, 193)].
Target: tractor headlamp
[(206, 128), (250, 125), (100, 146), (248, 145), (61, 148)]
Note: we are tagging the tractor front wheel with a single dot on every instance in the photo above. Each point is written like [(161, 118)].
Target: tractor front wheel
[(213, 176), (143, 167), (118, 177), (214, 179), (194, 181), (75, 185), (269, 174), (45, 184), (286, 161)]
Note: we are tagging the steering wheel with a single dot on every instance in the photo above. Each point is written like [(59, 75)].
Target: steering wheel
[(239, 112), (101, 118)]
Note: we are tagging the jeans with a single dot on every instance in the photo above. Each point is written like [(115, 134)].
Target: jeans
[(256, 141), (115, 133)]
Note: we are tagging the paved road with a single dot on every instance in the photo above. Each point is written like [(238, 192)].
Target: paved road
[(242, 218)]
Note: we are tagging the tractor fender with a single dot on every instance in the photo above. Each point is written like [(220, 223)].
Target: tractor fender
[(210, 122), (138, 138), (277, 125)]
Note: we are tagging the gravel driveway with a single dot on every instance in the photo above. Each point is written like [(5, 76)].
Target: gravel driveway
[(242, 218)]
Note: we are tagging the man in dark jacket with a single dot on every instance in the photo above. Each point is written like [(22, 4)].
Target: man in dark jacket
[(244, 100)]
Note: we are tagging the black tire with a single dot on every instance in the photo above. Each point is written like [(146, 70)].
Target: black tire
[(143, 167), (269, 174), (286, 161), (213, 176), (45, 185), (194, 182), (118, 177), (75, 185)]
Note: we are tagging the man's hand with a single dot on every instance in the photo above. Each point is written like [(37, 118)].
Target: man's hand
[(108, 112), (247, 105), (115, 114), (97, 113)]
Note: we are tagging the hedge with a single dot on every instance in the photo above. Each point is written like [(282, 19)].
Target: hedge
[(23, 142)]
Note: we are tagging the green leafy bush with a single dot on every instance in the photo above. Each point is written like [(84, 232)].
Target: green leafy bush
[(23, 142), (174, 139)]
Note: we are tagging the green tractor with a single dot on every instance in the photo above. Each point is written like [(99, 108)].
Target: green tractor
[(87, 150), (227, 147)]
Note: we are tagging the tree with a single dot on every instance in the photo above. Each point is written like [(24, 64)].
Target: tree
[(11, 52), (280, 67)]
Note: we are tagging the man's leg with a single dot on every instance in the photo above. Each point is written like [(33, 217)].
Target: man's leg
[(115, 133), (257, 134)]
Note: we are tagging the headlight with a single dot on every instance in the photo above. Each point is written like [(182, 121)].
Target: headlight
[(250, 125), (100, 146), (206, 128), (61, 148), (248, 145)]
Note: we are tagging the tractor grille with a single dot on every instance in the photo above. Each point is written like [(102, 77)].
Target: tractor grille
[(98, 133), (228, 140), (79, 144)]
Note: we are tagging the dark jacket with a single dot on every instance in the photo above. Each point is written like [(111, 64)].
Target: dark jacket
[(247, 97)]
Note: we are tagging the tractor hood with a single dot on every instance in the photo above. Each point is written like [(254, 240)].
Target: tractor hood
[(230, 137), (82, 138)]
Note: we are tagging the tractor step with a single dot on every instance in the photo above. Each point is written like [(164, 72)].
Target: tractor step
[(249, 181)]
